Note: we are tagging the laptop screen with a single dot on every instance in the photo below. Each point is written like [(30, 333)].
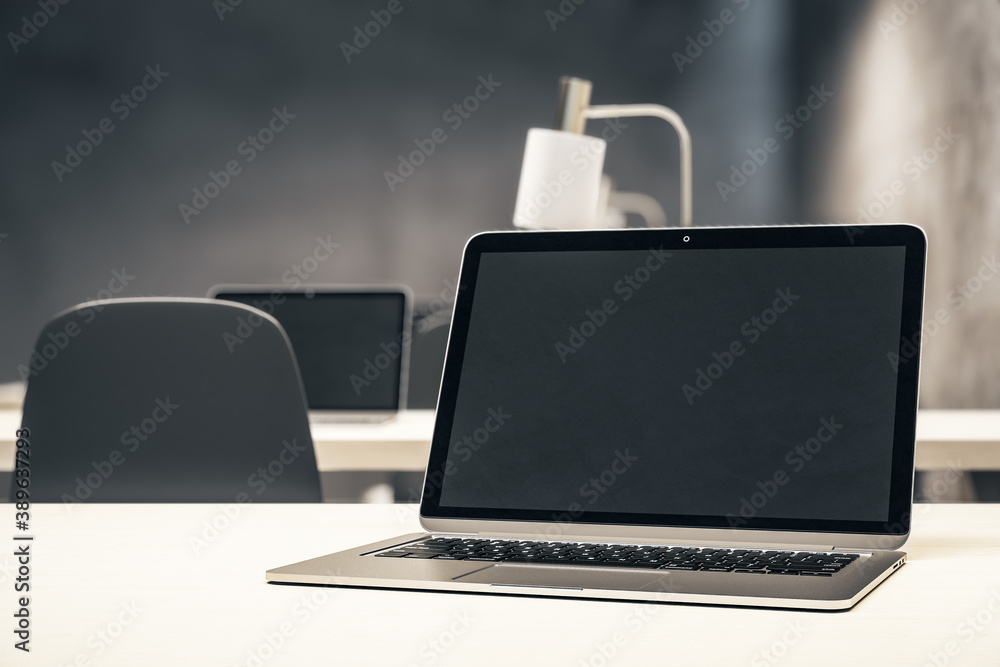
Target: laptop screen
[(350, 345), (736, 379)]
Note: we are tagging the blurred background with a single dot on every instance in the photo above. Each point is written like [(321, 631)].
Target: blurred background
[(100, 192)]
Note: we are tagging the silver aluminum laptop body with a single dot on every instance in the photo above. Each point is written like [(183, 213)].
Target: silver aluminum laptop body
[(327, 404), (860, 277)]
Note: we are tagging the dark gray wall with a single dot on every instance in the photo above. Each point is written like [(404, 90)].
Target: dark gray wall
[(323, 176)]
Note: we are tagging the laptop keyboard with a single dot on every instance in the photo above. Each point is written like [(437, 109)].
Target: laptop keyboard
[(707, 559)]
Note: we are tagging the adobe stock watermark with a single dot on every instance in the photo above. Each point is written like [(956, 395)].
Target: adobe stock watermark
[(461, 451), (598, 485), (105, 637), (779, 648), (223, 7), (913, 168), (434, 648), (696, 44), (41, 357), (637, 618), (454, 116), (786, 127), (371, 370), (247, 324), (893, 529), (625, 287), (972, 626), (31, 24), (562, 12), (296, 276), (363, 35), (258, 482), (592, 490), (248, 149), (943, 484), (899, 16), (752, 330), (796, 459), (605, 651), (957, 299), (578, 161), (136, 436), (122, 107), (430, 315), (302, 611), (8, 569)]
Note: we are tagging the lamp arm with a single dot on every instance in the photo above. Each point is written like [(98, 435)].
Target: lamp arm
[(640, 204), (672, 117)]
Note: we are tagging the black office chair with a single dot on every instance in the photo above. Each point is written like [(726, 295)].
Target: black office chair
[(167, 400)]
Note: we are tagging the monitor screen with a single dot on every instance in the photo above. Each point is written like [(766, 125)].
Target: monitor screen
[(741, 387), (350, 345)]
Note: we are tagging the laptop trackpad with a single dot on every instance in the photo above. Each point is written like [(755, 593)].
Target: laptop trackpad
[(547, 576)]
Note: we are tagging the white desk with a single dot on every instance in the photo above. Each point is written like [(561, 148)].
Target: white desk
[(89, 568), (400, 444), (964, 439)]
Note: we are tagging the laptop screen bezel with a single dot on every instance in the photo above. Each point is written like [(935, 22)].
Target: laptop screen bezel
[(893, 530)]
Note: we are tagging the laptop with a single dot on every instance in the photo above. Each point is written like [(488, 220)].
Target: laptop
[(701, 415), (352, 345)]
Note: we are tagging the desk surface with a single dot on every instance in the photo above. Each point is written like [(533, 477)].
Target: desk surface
[(965, 439), (124, 585)]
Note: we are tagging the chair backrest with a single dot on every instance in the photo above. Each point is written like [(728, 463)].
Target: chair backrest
[(167, 400)]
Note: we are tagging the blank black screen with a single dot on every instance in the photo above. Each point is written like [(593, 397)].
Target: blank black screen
[(348, 345), (705, 382)]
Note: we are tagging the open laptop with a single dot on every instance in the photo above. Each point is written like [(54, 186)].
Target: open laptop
[(352, 345), (696, 415)]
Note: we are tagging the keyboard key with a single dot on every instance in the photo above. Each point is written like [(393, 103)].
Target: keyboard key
[(436, 548), (802, 568)]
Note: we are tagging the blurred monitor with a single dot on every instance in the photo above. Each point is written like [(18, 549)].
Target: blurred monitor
[(352, 344)]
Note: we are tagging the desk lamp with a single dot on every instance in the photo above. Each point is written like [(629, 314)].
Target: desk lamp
[(561, 184)]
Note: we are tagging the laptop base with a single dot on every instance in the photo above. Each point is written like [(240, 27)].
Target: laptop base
[(358, 568)]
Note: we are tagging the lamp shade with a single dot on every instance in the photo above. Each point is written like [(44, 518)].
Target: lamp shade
[(560, 180)]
